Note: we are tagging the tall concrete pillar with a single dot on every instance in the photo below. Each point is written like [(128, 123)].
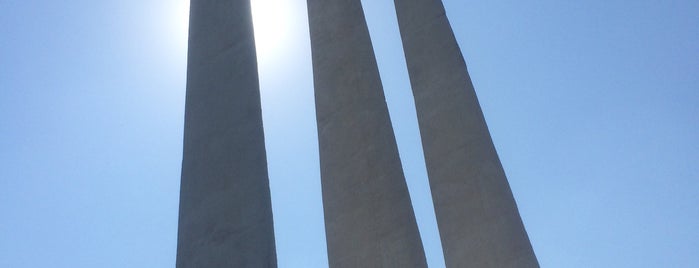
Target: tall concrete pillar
[(369, 220), (478, 220), (225, 215)]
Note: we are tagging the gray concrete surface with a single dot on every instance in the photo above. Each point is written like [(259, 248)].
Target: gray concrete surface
[(225, 215), (369, 220), (477, 216)]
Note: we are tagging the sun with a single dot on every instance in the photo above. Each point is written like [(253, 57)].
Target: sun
[(270, 20), (178, 24)]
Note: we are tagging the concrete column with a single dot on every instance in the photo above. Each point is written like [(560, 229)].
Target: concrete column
[(225, 215), (477, 216), (369, 220)]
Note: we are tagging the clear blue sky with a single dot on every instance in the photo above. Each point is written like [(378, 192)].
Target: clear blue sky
[(592, 105)]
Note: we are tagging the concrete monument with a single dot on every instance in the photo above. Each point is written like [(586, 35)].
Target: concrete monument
[(225, 215), (478, 220), (369, 220)]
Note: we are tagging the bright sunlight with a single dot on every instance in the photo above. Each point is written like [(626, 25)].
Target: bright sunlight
[(270, 19), (271, 22), (178, 25)]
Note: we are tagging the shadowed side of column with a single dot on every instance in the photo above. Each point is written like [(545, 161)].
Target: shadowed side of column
[(369, 220), (225, 215), (478, 220)]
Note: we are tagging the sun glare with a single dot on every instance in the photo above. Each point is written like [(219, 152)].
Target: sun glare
[(270, 19), (182, 9), (179, 24)]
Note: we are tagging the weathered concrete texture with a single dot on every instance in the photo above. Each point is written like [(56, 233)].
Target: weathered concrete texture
[(477, 216), (225, 208), (369, 220)]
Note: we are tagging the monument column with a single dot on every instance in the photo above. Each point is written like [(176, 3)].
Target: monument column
[(225, 217), (478, 220), (369, 220)]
